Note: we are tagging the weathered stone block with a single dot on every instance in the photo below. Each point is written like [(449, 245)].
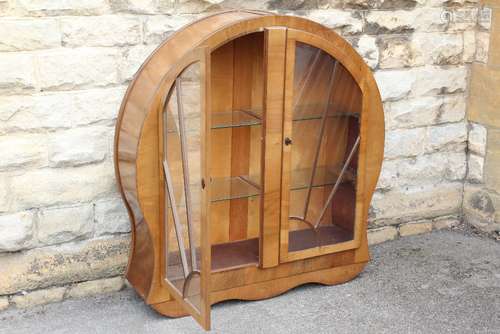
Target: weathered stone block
[(135, 6), (405, 21), (368, 49), (464, 18), (5, 198), (477, 139), (410, 203), (67, 7), (482, 46), (57, 225), (17, 71), (55, 186), (344, 22), (60, 109), (469, 46), (420, 49), (158, 27), (396, 52), (451, 3), (91, 288), (447, 137), (363, 4), (111, 217), (16, 231), (4, 303), (410, 113), (453, 109), (79, 146), (23, 151), (424, 111), (29, 34), (381, 234), (72, 68), (415, 228), (96, 105), (67, 263), (492, 163), (484, 102), (390, 91), (428, 168), (404, 143), (133, 59), (445, 223), (476, 165), (419, 81), (39, 297), (437, 49), (484, 18), (399, 21), (479, 208), (106, 30), (432, 80)]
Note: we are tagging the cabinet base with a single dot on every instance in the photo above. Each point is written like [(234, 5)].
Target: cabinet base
[(268, 289)]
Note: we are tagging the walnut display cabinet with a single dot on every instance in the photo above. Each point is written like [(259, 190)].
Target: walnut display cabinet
[(247, 150)]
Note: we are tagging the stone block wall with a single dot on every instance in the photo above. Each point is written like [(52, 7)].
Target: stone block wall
[(482, 188), (65, 65)]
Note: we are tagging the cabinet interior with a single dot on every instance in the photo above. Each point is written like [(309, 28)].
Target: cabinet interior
[(237, 88), (323, 160), (324, 154)]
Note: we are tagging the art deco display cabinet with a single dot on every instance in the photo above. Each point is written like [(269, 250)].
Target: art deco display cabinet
[(247, 150)]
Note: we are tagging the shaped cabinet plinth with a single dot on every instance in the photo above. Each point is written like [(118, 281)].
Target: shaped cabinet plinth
[(247, 151)]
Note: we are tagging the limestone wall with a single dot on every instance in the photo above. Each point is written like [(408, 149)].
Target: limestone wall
[(482, 188), (65, 65)]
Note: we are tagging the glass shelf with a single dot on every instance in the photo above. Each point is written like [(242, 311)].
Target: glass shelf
[(324, 176), (236, 118), (226, 188), (312, 112)]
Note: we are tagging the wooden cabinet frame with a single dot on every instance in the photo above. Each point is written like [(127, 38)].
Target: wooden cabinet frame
[(200, 56), (337, 52), (141, 178)]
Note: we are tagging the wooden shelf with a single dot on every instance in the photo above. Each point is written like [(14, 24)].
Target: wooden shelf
[(237, 254), (236, 118), (227, 188), (325, 235)]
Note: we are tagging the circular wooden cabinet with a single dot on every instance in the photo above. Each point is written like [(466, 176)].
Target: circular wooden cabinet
[(247, 151)]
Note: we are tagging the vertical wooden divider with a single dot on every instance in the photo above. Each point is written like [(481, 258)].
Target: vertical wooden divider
[(206, 154), (274, 71), (287, 150)]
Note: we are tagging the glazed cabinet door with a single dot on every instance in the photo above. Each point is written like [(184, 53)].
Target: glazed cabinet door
[(321, 145), (184, 160)]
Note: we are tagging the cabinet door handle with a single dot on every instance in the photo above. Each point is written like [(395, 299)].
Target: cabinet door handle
[(288, 141)]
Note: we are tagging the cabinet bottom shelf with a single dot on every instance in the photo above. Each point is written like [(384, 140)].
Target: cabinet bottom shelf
[(243, 253), (236, 254), (326, 235)]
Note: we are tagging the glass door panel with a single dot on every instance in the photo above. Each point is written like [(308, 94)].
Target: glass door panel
[(183, 121), (324, 143)]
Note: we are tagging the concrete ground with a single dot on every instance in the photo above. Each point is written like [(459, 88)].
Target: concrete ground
[(443, 282)]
